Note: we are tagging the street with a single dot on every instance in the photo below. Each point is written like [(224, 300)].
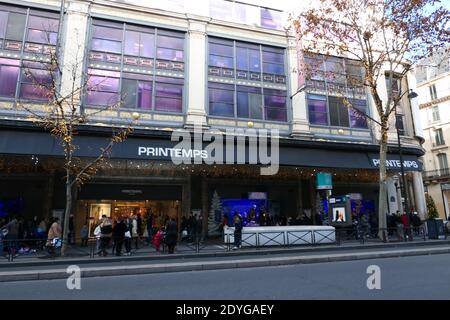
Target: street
[(422, 277)]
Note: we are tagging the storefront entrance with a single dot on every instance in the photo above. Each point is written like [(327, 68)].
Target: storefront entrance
[(161, 211)]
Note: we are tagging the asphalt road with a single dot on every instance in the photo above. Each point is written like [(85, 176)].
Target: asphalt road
[(422, 277)]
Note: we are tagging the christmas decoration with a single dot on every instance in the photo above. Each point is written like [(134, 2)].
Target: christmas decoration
[(431, 208), (215, 216)]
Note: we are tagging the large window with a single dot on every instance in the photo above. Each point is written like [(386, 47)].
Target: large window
[(435, 115), (433, 92), (26, 36), (250, 68), (333, 111), (327, 74), (443, 162), (439, 138), (148, 64)]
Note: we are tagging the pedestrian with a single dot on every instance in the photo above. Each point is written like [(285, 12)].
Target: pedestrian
[(54, 236), (13, 232), (150, 228), (119, 235), (128, 231), (158, 239), (105, 235), (171, 235), (237, 231), (84, 233), (134, 231)]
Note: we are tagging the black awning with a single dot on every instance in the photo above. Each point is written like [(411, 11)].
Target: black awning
[(162, 149)]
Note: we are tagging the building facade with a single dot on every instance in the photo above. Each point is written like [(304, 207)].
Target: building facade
[(218, 65), (433, 85)]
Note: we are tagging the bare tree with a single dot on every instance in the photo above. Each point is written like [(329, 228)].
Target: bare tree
[(386, 38), (61, 115)]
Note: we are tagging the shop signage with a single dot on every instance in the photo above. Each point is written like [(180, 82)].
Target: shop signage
[(396, 164), (324, 181), (132, 192), (171, 153)]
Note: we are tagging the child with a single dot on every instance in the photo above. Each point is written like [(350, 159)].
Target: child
[(157, 239)]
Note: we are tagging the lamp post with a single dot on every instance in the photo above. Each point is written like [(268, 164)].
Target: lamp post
[(404, 192)]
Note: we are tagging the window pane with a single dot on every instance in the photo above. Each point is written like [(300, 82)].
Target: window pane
[(217, 95), (132, 43), (33, 92), (170, 42), (16, 26), (273, 68), (273, 57), (106, 46), (168, 104), (129, 93), (221, 109), (45, 24), (107, 33), (317, 106), (219, 49), (357, 119), (255, 60), (169, 90), (37, 77), (42, 37), (271, 19), (222, 62), (255, 104), (147, 45), (145, 95), (102, 98), (242, 105), (169, 54), (3, 23), (8, 80), (96, 83), (338, 113), (275, 101), (275, 114), (241, 59)]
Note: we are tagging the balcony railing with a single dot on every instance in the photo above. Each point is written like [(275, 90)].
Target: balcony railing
[(437, 174)]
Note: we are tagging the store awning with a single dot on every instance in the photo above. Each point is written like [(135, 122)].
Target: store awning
[(160, 149)]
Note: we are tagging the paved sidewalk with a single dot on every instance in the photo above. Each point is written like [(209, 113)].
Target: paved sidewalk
[(198, 263)]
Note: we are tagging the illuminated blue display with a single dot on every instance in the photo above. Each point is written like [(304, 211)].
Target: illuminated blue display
[(244, 208)]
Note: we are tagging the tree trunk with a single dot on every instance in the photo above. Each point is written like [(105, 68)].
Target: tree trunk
[(382, 202), (67, 214)]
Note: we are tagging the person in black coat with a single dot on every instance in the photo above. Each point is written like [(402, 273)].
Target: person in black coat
[(119, 235), (171, 235)]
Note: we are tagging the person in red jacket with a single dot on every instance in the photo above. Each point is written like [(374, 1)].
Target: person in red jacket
[(157, 240), (406, 227)]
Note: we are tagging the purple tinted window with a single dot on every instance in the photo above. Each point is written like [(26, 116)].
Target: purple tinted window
[(275, 114), (106, 46), (273, 68), (3, 23), (107, 33), (271, 19), (148, 45), (8, 80), (275, 101), (45, 24), (357, 119), (225, 96), (221, 109), (241, 59), (132, 43), (37, 77), (169, 54), (317, 106), (170, 42), (221, 50), (168, 97), (222, 62), (102, 98), (33, 92), (10, 62), (96, 83), (44, 37), (168, 105), (221, 102), (145, 95)]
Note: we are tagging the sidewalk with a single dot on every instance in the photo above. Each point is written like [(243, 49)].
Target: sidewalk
[(243, 259), (81, 256)]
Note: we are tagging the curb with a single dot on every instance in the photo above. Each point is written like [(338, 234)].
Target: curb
[(59, 274), (222, 254)]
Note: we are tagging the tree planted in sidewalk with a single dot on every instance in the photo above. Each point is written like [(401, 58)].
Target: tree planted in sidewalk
[(60, 114), (383, 37)]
